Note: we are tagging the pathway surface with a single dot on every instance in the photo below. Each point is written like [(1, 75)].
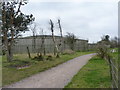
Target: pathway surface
[(56, 77)]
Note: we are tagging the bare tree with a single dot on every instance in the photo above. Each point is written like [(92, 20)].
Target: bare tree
[(61, 39), (33, 29), (53, 37), (42, 46), (43, 43)]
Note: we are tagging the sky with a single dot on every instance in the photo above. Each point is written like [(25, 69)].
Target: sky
[(87, 19)]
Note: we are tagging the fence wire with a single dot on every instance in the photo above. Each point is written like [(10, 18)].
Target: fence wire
[(114, 73)]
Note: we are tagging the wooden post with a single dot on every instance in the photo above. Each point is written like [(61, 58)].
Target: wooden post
[(28, 52), (111, 76)]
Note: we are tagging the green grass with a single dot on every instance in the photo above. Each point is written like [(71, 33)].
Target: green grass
[(11, 74), (95, 74), (114, 57), (115, 54)]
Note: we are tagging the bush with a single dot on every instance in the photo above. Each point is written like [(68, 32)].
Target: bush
[(49, 57), (39, 58), (103, 52)]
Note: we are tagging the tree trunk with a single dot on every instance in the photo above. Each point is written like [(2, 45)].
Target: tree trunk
[(9, 44), (55, 45), (44, 46), (64, 45), (10, 54), (61, 39), (34, 43), (28, 52), (5, 39), (44, 51), (54, 51)]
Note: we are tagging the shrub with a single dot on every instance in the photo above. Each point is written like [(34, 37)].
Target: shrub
[(49, 57), (103, 51), (39, 58)]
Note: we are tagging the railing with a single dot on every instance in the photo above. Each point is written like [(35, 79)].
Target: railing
[(114, 72)]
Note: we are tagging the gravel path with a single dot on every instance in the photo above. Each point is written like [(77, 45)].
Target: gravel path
[(56, 77)]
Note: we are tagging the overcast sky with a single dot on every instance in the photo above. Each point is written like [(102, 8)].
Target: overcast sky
[(87, 20)]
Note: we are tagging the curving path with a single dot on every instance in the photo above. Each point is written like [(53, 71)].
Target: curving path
[(56, 77)]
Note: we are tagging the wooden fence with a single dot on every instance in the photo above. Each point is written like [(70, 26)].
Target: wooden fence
[(114, 72)]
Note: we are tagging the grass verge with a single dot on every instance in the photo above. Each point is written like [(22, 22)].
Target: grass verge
[(12, 74), (95, 74)]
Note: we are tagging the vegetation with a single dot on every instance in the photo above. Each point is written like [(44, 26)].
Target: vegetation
[(95, 74), (33, 28), (104, 47), (53, 37), (71, 39), (105, 51), (23, 67), (114, 42), (61, 39), (14, 22), (115, 56)]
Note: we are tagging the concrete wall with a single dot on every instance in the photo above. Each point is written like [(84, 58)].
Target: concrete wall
[(22, 44), (0, 46), (92, 46)]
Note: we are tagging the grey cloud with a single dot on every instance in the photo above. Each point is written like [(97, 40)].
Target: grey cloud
[(87, 20)]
